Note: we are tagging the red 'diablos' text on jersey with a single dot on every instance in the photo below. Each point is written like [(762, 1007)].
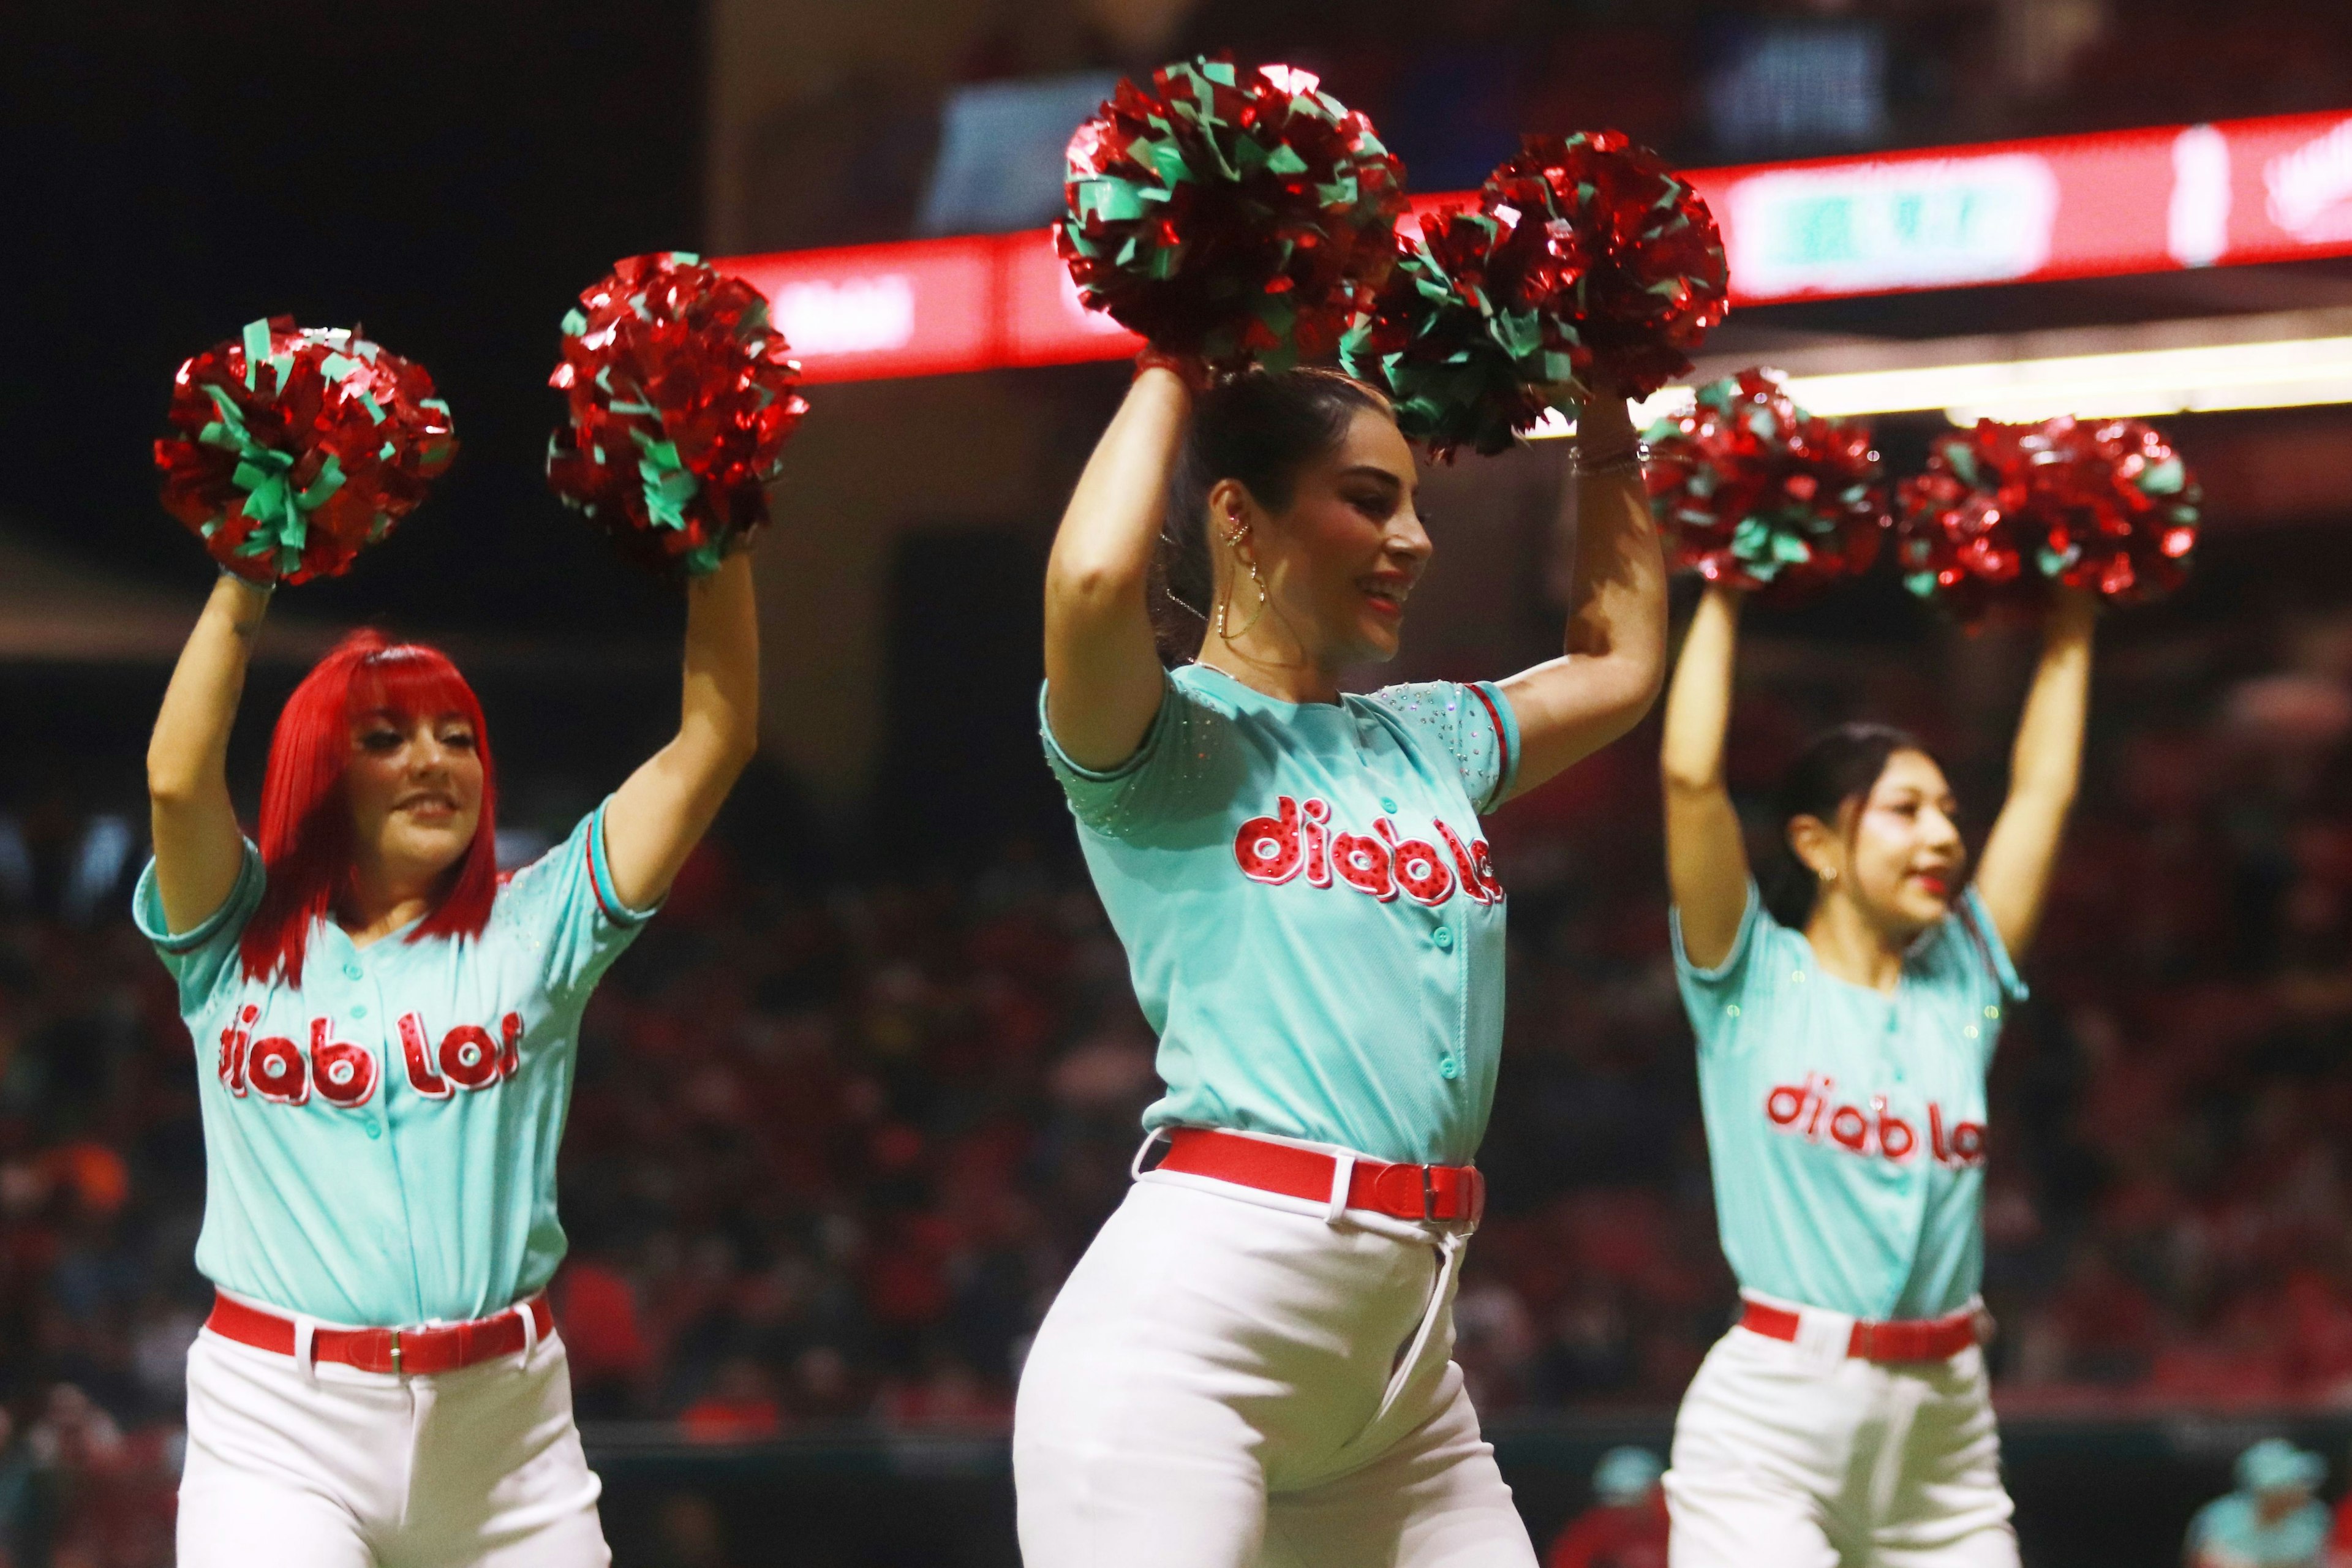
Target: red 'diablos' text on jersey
[(1300, 840)]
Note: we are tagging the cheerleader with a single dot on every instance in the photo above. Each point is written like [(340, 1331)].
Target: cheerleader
[(1846, 1012), (1252, 1362), (386, 1031)]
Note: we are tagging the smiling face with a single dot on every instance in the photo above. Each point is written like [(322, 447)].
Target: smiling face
[(414, 783), (1340, 562), (1895, 852)]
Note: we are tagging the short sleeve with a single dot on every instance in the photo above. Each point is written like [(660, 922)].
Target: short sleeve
[(1472, 723), (1181, 770), (1727, 976), (565, 901), (200, 958), (1976, 948)]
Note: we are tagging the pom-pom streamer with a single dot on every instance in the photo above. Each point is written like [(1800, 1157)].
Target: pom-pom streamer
[(1756, 493), (1241, 216), (681, 396), (299, 447), (1471, 336), (2005, 509), (1648, 269)]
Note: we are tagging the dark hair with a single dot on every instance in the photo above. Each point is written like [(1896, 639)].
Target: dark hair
[(1836, 767), (1259, 429)]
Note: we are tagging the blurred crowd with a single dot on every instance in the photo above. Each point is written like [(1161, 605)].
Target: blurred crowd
[(837, 1140)]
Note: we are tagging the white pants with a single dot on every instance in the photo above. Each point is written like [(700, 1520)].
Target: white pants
[(1226, 1383), (1786, 1458), (364, 1469)]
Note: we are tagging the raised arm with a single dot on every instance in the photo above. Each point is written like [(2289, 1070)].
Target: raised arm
[(1614, 654), (198, 850), (1103, 677), (661, 812), (1706, 861), (2044, 768)]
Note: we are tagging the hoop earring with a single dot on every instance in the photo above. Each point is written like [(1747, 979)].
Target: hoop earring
[(1237, 532)]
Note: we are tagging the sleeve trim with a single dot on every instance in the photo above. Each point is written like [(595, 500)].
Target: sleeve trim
[(237, 907), (1507, 740), (1141, 754), (1750, 917), (600, 877), (1985, 937)]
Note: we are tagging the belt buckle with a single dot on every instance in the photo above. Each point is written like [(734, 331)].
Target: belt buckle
[(395, 1351), (1428, 1197)]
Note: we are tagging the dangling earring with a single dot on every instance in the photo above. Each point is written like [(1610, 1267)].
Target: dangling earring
[(1237, 531), (1829, 873)]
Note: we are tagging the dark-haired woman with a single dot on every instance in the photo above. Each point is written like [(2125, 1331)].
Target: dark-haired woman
[(386, 1031), (1846, 1014), (1251, 1364)]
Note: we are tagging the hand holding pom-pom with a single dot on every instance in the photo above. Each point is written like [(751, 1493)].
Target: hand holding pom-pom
[(299, 447), (1651, 278), (2003, 509), (681, 396), (1473, 335), (1757, 494), (1238, 216)]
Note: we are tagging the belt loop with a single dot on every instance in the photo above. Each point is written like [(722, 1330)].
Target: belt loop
[(1823, 1337), (306, 1335), (1135, 1166), (530, 1330), (1343, 1176)]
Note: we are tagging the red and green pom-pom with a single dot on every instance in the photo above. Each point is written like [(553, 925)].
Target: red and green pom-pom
[(1651, 279), (1475, 334), (681, 396), (1240, 216), (299, 447), (2005, 509), (1755, 493)]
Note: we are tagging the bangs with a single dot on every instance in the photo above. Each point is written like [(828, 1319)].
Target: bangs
[(408, 682)]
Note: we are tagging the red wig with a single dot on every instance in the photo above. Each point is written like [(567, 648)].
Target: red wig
[(306, 824)]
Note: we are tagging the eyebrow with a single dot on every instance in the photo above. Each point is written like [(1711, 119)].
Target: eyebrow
[(1374, 471)]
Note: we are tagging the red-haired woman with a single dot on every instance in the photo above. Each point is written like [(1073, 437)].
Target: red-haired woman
[(390, 1032)]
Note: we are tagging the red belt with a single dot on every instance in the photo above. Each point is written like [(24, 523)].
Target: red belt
[(419, 1353), (1926, 1339), (1401, 1191)]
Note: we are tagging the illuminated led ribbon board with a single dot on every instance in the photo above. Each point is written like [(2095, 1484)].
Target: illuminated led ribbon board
[(2229, 194)]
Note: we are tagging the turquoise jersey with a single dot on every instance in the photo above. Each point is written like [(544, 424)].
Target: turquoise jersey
[(380, 1140), (1311, 918), (2229, 1530), (1846, 1128)]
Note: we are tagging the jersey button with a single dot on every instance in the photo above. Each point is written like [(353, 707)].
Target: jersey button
[(1444, 937), (360, 1011), (352, 972), (1449, 1067), (1388, 806), (372, 1127)]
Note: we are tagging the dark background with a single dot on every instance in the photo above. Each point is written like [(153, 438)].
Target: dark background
[(449, 174)]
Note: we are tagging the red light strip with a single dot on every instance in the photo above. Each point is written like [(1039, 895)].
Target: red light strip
[(2164, 200)]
